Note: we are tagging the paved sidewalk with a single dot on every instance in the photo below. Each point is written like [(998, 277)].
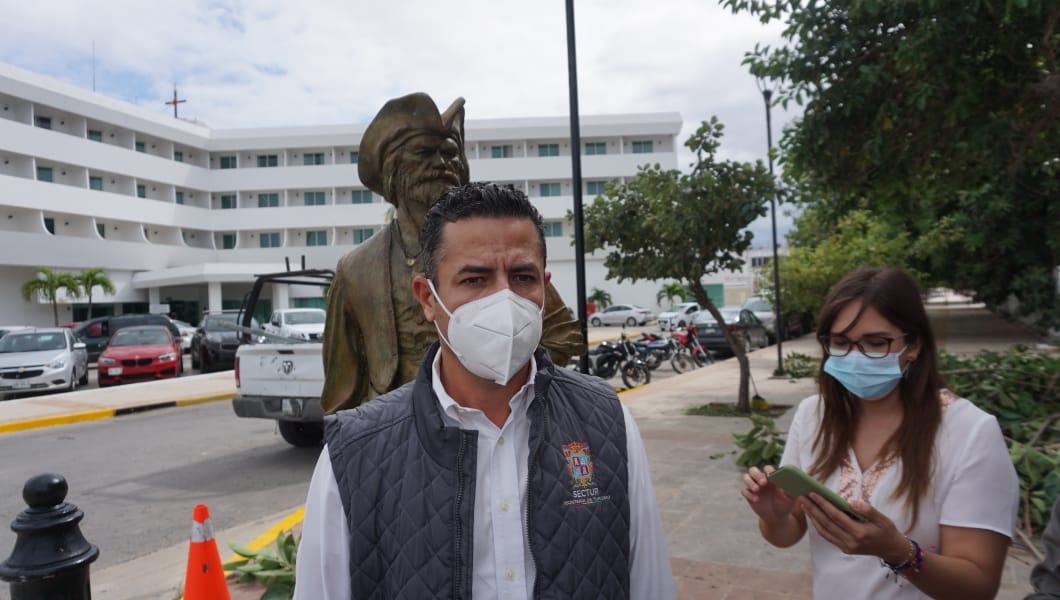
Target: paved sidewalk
[(716, 551)]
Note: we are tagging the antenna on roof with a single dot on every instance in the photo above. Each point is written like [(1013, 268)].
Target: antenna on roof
[(93, 65)]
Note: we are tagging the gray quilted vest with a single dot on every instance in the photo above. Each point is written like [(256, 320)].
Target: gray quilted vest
[(407, 483)]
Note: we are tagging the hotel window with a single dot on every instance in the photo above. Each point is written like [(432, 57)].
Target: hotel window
[(548, 150), (228, 201), (316, 158), (595, 188), (49, 224), (594, 148), (549, 189), (644, 147), (141, 191), (267, 160), (178, 156), (180, 197), (759, 261), (43, 122), (501, 151), (354, 157), (361, 196), (95, 183), (228, 241), (140, 147), (45, 174), (316, 238), (95, 135), (268, 200), (228, 162), (269, 240), (361, 235), (314, 198), (101, 229), (554, 229)]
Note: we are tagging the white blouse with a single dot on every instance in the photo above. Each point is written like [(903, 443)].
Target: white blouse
[(974, 485)]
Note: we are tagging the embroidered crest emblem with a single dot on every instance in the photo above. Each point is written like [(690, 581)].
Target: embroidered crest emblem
[(579, 463), (584, 491)]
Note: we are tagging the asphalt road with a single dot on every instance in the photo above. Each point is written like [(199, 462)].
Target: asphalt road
[(138, 477)]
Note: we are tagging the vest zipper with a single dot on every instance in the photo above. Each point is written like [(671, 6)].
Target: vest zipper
[(458, 535), (530, 471)]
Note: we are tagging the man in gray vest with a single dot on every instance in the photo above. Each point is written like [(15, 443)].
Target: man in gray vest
[(495, 473)]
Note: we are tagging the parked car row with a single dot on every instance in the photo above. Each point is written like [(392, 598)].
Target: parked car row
[(126, 348), (630, 315)]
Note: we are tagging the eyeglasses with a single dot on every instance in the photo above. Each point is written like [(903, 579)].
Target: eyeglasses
[(872, 346)]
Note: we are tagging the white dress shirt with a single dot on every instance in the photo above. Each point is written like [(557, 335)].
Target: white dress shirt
[(501, 569)]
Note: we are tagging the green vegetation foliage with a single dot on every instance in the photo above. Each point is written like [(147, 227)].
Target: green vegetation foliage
[(599, 297), (48, 283), (939, 117), (272, 567), (667, 225), (1023, 390), (672, 292), (89, 279)]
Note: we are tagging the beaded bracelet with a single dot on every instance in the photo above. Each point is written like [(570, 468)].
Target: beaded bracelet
[(914, 561)]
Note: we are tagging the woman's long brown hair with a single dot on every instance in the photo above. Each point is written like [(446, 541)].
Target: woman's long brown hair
[(894, 294)]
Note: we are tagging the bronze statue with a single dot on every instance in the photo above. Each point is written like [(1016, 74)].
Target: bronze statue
[(376, 333)]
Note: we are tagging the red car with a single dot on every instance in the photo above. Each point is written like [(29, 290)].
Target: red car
[(139, 353)]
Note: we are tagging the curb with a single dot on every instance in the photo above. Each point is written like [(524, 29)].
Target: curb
[(106, 413)]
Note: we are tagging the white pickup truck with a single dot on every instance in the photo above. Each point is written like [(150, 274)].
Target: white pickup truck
[(281, 377), (300, 323)]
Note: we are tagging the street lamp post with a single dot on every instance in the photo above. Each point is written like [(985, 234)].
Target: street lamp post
[(767, 96)]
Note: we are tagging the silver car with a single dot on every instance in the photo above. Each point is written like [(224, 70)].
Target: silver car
[(621, 314), (42, 360)]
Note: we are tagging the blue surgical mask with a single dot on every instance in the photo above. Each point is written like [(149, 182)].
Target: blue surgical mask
[(867, 378)]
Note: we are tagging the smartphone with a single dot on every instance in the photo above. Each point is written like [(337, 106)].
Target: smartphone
[(795, 482)]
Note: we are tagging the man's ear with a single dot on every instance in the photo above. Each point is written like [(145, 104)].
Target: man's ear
[(548, 277), (423, 294)]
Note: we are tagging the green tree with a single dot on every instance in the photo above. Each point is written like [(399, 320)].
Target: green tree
[(634, 225), (944, 116), (671, 290), (599, 297), (858, 240), (89, 279), (48, 282)]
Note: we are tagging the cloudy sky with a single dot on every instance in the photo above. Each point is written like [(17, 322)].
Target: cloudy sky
[(260, 63)]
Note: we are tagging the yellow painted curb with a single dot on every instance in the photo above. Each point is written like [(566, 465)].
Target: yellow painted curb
[(205, 399), (91, 415)]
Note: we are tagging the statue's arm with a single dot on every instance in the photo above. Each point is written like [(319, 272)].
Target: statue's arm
[(345, 369), (561, 335)]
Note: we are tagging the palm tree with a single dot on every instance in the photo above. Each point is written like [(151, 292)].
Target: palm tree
[(48, 282), (600, 298), (89, 279), (672, 290)]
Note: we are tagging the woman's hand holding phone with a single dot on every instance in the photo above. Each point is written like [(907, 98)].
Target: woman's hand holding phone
[(769, 502), (874, 535)]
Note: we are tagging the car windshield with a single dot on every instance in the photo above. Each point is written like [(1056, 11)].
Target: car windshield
[(224, 322), (308, 317), (731, 315), (757, 304), (140, 337), (32, 342)]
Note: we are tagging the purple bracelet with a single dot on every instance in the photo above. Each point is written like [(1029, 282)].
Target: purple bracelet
[(914, 562)]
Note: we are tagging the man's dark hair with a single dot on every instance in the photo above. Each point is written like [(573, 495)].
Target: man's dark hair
[(475, 199)]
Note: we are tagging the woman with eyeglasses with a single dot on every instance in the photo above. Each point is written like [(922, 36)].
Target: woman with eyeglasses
[(928, 472)]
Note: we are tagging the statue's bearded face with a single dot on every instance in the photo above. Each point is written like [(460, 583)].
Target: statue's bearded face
[(423, 168)]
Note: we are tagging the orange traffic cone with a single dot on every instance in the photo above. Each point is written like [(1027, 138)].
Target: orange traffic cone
[(204, 579)]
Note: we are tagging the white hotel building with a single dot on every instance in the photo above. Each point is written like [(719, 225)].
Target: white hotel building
[(182, 216)]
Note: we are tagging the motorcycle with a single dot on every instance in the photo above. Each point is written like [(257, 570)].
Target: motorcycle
[(660, 349), (689, 354), (623, 357)]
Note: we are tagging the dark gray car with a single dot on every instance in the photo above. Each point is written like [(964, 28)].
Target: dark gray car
[(213, 347), (745, 326)]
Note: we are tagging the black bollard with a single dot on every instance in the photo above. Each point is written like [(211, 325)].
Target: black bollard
[(50, 559)]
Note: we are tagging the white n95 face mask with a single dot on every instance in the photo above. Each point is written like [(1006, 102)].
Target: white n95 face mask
[(494, 336)]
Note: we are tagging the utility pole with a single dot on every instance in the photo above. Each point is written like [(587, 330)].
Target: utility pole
[(175, 102)]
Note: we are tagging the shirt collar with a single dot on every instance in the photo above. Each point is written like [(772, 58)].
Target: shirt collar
[(452, 409)]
